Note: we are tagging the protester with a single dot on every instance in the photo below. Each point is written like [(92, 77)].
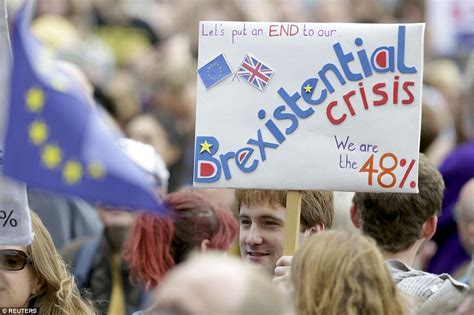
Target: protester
[(97, 263), (464, 213), (449, 305), (65, 218), (213, 284), (343, 273), (157, 243), (159, 130), (456, 170), (35, 276), (401, 223), (262, 222)]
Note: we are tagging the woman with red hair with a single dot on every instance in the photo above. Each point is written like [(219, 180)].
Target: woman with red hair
[(157, 243)]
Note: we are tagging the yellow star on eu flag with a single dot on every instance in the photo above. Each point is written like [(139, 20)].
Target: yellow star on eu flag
[(59, 83), (38, 132), (35, 99), (72, 172), (51, 156), (307, 88), (96, 170), (205, 146)]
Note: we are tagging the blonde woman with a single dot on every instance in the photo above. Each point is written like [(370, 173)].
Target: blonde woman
[(343, 273), (35, 276)]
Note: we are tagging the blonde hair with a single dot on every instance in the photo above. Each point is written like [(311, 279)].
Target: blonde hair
[(343, 273), (59, 293)]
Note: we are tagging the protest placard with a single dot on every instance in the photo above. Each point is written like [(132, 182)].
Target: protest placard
[(308, 106)]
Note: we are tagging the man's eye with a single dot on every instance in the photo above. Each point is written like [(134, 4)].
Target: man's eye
[(245, 222), (271, 223)]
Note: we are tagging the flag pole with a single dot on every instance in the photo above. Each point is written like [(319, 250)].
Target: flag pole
[(292, 222)]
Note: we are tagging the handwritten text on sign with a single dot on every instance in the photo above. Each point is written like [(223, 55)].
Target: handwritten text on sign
[(280, 108)]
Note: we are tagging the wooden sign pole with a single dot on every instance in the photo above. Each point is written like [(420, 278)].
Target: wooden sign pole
[(292, 222)]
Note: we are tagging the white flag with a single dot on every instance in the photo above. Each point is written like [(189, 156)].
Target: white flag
[(15, 222)]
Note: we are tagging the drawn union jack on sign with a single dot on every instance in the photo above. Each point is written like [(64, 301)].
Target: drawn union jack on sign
[(255, 72)]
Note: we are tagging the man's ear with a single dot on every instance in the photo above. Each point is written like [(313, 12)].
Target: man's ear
[(355, 216), (429, 227), (316, 229), (205, 245)]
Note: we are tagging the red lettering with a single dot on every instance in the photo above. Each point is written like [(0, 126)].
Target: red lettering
[(273, 31), (348, 102), (362, 93), (395, 90), (377, 90), (381, 59), (334, 121), (410, 98)]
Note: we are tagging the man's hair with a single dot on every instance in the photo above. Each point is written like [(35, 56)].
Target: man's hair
[(395, 220), (317, 207)]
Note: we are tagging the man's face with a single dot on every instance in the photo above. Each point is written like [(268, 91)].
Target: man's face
[(466, 230), (465, 217), (261, 234)]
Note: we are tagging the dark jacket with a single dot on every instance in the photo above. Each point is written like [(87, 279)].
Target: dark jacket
[(98, 285)]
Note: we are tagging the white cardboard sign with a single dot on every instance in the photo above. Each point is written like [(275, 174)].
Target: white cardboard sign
[(309, 106)]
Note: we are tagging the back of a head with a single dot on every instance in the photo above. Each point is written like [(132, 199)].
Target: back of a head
[(157, 243), (317, 207), (214, 284), (343, 273), (395, 220)]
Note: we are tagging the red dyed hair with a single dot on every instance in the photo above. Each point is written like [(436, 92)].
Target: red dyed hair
[(156, 243)]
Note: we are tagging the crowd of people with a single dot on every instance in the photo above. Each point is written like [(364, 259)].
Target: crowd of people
[(360, 253)]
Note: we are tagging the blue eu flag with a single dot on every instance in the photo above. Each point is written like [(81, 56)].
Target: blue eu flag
[(214, 71), (55, 139)]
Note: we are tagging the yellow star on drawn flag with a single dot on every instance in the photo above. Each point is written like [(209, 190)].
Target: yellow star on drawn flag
[(35, 99), (205, 146), (96, 170), (307, 88), (72, 172), (38, 132), (51, 156)]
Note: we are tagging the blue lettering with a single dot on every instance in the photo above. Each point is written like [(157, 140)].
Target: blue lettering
[(312, 82), (335, 70), (225, 163), (344, 60), (291, 101), (401, 53), (262, 144), (280, 115), (240, 162), (206, 168)]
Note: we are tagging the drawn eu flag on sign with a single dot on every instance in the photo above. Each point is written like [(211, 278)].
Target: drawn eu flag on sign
[(55, 139), (214, 71)]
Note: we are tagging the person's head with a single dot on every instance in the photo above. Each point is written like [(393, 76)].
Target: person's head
[(262, 221), (157, 243), (465, 216), (158, 130), (430, 127), (397, 220), (196, 287), (117, 221), (343, 273), (36, 276)]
